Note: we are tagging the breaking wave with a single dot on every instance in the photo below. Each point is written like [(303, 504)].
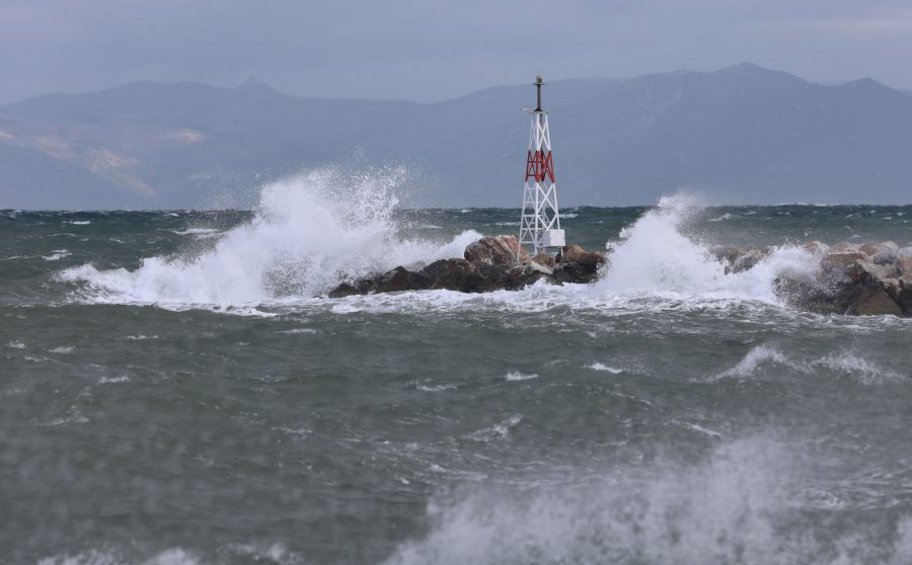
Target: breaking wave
[(739, 506), (311, 232), (841, 364), (308, 234), (655, 257)]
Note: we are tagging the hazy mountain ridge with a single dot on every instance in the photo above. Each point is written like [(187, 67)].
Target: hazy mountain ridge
[(744, 132)]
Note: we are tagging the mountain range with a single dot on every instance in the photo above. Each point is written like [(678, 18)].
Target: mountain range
[(743, 134)]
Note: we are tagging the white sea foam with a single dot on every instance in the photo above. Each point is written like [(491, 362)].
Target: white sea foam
[(195, 231), (854, 366), (95, 557), (728, 509), (57, 254), (309, 233), (234, 552), (139, 337), (498, 431), (114, 380), (15, 344), (655, 258), (435, 388), (598, 366), (517, 376)]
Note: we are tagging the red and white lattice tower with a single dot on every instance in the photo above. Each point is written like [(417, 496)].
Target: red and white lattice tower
[(539, 225)]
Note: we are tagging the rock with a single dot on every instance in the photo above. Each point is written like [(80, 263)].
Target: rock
[(748, 260), (570, 254), (545, 260), (500, 250), (585, 270), (815, 247), (401, 279), (879, 271), (727, 253), (904, 266), (845, 247), (499, 277), (343, 290), (901, 293), (876, 302), (454, 274), (869, 248), (532, 266)]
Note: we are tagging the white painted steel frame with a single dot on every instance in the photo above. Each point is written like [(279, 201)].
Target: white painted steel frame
[(539, 211)]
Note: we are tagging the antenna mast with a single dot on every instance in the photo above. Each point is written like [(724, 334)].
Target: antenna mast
[(539, 225)]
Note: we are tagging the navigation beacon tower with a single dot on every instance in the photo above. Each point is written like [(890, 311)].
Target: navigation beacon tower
[(539, 224)]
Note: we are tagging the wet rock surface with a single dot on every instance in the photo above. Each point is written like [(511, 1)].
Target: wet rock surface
[(489, 264), (855, 279), (862, 279)]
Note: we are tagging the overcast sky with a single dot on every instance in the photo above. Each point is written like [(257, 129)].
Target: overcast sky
[(427, 50)]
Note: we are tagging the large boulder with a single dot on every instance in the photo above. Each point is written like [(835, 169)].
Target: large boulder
[(876, 301), (499, 250), (584, 269), (395, 280), (850, 282), (570, 254), (454, 274)]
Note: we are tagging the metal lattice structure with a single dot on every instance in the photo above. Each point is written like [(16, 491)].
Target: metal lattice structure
[(539, 225)]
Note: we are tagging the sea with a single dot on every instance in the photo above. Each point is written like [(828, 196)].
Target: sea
[(176, 388)]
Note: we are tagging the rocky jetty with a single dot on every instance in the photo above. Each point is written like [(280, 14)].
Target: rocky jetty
[(845, 278), (863, 279), (490, 263)]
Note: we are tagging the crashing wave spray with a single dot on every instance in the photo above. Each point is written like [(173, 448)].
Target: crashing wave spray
[(656, 258), (309, 233)]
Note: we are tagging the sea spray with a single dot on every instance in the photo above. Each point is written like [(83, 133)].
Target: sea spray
[(309, 233), (654, 257)]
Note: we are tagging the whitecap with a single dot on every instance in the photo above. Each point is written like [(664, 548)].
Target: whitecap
[(308, 234), (854, 366), (598, 366), (114, 380), (195, 231), (517, 376), (435, 388), (498, 431), (57, 254)]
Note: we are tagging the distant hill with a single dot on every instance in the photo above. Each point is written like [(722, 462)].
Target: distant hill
[(744, 133)]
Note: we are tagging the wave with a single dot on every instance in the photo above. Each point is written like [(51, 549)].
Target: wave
[(655, 257), (843, 363), (232, 552), (308, 234), (311, 232), (735, 507)]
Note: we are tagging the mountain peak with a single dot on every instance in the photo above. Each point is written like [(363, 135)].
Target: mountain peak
[(254, 83), (744, 68)]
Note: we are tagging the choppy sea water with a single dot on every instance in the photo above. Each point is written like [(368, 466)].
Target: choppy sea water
[(175, 388)]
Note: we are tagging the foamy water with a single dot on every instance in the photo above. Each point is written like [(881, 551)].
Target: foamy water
[(181, 391), (309, 234), (314, 231)]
